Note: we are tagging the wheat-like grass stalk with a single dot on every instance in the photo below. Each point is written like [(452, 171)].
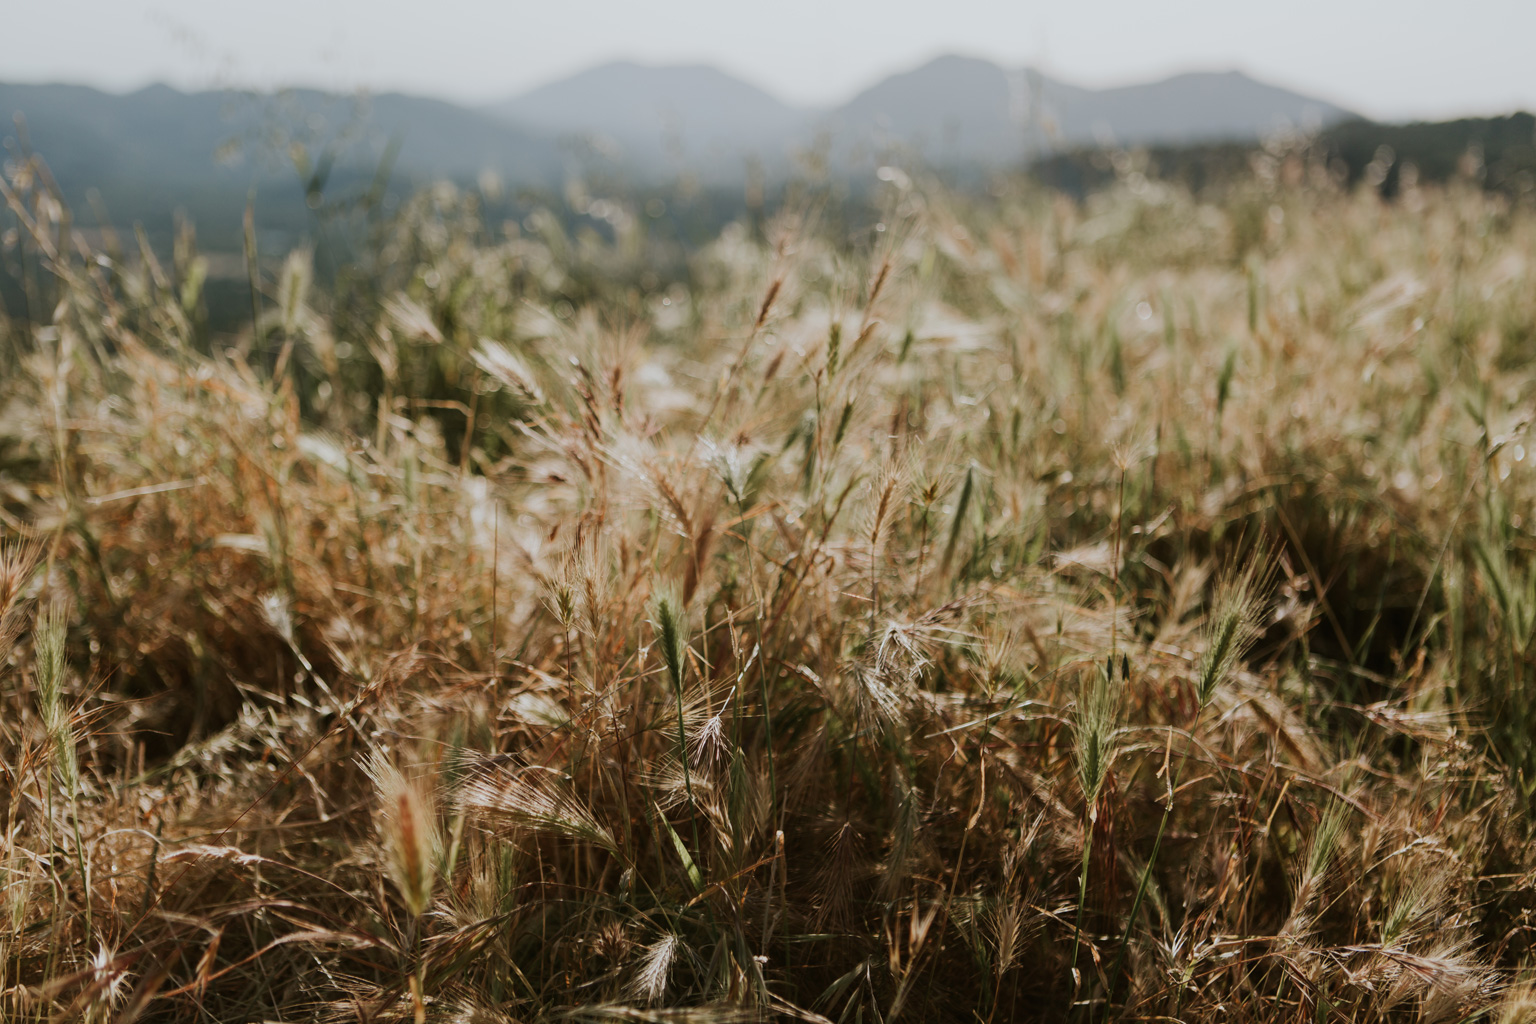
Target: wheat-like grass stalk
[(408, 831), (536, 798), (654, 968), (1094, 726), (1231, 630), (18, 561), (1234, 623)]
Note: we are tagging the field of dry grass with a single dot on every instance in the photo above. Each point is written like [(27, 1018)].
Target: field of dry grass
[(1025, 610)]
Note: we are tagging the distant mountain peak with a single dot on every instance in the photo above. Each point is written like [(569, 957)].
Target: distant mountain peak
[(952, 108), (960, 109), (662, 115), (670, 117)]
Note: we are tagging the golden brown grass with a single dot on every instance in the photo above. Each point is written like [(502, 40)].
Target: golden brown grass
[(1042, 611)]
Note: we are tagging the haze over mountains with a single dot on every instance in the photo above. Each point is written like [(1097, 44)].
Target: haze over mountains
[(952, 110), (157, 149)]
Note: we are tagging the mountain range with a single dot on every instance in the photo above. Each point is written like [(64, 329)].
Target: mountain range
[(952, 110), (147, 152)]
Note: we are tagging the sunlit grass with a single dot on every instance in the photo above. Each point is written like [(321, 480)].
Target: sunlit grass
[(1027, 610)]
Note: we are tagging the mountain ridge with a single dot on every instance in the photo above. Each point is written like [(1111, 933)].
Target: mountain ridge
[(144, 153), (648, 120), (950, 109)]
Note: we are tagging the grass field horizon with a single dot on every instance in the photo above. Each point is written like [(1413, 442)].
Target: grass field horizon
[(1022, 607)]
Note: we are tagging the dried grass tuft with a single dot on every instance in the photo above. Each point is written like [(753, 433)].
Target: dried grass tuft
[(523, 626)]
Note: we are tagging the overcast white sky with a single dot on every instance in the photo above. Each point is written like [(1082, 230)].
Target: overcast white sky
[(1384, 58)]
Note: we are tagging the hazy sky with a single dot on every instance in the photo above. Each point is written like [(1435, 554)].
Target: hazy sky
[(1385, 58)]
